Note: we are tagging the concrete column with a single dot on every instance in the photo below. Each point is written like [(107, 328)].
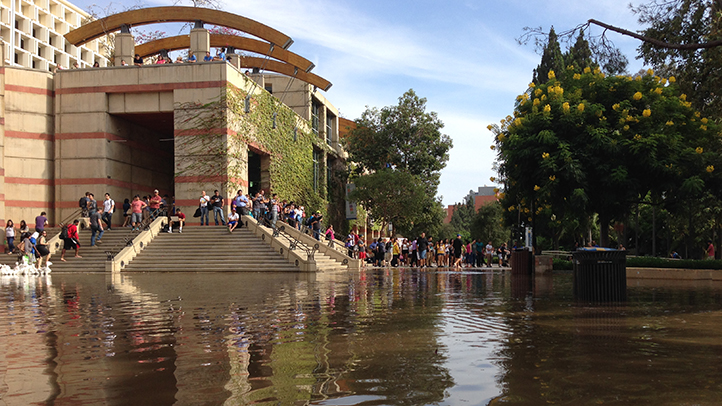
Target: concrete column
[(235, 60), (200, 43), (124, 49)]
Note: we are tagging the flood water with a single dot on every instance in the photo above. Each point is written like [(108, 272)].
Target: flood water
[(375, 337)]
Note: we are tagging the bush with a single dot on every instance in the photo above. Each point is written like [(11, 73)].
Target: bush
[(651, 262)]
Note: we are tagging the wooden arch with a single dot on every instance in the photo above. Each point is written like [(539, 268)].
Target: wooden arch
[(249, 62), (172, 14), (222, 40)]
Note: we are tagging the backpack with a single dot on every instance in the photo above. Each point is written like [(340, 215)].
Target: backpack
[(83, 202), (64, 233)]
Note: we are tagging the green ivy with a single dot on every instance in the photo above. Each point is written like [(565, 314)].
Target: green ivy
[(290, 145)]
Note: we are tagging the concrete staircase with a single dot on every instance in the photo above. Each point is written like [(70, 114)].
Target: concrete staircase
[(93, 258), (208, 249)]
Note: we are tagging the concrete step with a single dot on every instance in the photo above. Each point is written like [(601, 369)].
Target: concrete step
[(208, 249)]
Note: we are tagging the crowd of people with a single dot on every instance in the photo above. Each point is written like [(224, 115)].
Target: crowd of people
[(423, 252), (33, 244)]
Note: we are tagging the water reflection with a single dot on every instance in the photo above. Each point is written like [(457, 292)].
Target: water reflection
[(401, 337)]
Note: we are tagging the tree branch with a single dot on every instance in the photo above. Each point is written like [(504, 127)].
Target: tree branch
[(654, 41)]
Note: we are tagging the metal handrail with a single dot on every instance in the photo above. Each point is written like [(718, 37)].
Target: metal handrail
[(130, 236), (331, 242), (293, 242)]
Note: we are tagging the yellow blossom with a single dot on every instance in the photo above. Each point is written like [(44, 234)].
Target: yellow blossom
[(670, 122), (580, 107), (658, 90), (500, 195), (710, 169), (699, 150), (664, 81), (565, 107), (511, 208), (650, 72), (577, 76), (687, 104), (551, 75), (532, 85), (547, 108), (536, 102), (489, 127), (597, 70), (696, 114), (683, 96), (501, 137), (496, 190), (637, 137), (615, 106), (626, 128), (587, 69), (638, 78), (536, 188), (647, 112), (517, 122), (493, 179), (545, 155), (552, 178), (537, 92), (570, 67), (543, 97), (637, 96), (704, 120), (672, 79), (493, 147), (703, 127)]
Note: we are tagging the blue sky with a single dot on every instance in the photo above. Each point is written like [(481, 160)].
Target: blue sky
[(461, 55)]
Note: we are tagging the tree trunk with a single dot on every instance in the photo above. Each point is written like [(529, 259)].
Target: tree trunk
[(603, 230)]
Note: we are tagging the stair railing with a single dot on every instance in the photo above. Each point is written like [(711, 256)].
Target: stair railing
[(127, 240), (293, 242)]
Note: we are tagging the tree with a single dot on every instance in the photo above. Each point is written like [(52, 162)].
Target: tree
[(399, 152), (552, 59), (592, 143), (487, 224)]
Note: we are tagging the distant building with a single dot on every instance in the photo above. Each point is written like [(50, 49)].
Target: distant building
[(33, 34), (484, 195)]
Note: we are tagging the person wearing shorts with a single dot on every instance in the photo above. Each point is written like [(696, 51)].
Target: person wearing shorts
[(232, 220), (136, 215)]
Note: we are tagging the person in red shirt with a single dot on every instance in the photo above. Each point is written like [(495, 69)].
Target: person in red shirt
[(72, 241), (181, 219), (155, 202)]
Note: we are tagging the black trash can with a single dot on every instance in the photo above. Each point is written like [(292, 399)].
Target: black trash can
[(522, 262), (600, 275)]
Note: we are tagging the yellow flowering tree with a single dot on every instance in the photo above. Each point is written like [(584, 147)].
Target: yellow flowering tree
[(626, 137)]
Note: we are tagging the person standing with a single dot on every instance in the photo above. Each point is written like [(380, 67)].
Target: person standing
[(126, 213), (96, 227), (41, 250), (204, 201), (108, 209), (92, 204), (10, 236), (422, 246), (217, 203), (330, 235), (488, 253), (40, 222), (710, 249), (136, 215), (71, 241), (154, 204), (457, 250), (83, 203)]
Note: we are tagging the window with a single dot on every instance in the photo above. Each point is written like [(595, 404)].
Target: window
[(329, 129), (268, 87), (316, 169), (314, 117)]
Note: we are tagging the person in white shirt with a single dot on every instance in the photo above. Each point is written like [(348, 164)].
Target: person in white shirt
[(204, 200), (108, 209), (232, 220)]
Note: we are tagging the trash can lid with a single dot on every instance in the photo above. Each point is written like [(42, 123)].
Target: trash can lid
[(596, 249)]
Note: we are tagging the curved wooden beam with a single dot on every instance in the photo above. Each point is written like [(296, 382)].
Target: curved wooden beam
[(152, 15), (250, 62), (221, 40)]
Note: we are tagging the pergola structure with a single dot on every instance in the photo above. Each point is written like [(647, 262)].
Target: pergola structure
[(272, 43)]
